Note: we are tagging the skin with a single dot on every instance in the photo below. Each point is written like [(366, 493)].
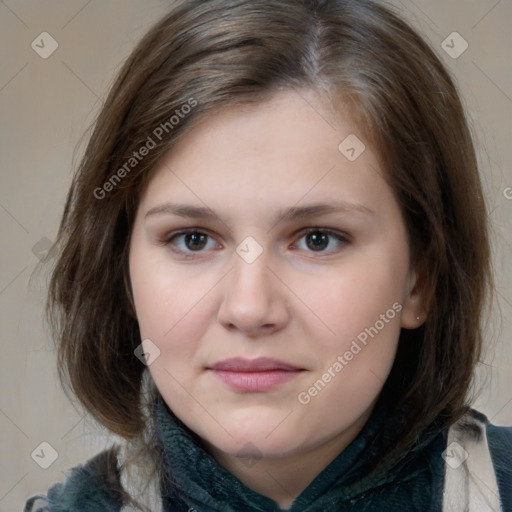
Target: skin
[(297, 302)]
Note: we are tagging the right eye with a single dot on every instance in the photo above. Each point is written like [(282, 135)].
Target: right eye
[(189, 241)]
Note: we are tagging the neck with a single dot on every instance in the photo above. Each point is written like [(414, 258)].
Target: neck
[(283, 479)]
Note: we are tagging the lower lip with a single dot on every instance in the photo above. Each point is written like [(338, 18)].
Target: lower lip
[(255, 381)]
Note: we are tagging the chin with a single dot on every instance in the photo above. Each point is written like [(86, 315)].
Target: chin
[(253, 435)]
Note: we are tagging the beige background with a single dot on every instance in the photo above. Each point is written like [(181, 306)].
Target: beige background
[(45, 107)]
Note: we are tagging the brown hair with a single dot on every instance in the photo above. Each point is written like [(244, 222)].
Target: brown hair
[(219, 53)]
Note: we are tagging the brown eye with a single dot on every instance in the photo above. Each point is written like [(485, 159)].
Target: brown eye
[(195, 241), (189, 241), (317, 240)]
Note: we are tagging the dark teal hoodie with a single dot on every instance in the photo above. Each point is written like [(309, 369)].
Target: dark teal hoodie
[(200, 484)]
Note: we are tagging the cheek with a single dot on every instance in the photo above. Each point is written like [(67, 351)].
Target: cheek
[(171, 304), (355, 298), (356, 343)]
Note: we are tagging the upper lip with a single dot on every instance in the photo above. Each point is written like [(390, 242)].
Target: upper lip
[(261, 364)]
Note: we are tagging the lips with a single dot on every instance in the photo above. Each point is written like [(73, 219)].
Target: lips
[(254, 375), (238, 364)]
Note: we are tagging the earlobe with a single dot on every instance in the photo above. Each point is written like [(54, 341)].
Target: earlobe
[(414, 312)]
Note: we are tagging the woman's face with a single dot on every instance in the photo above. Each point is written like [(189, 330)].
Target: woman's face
[(276, 322)]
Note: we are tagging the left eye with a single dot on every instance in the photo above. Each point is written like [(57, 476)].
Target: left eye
[(317, 240)]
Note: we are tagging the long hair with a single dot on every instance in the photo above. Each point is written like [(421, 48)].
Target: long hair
[(206, 55)]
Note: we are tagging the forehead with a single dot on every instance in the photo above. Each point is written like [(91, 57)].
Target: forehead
[(289, 150)]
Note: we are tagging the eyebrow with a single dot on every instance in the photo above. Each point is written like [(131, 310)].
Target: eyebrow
[(288, 214)]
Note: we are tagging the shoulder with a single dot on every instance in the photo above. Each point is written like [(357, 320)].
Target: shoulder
[(478, 464), (90, 487), (499, 439)]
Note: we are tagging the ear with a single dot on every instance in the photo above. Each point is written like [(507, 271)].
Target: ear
[(414, 312)]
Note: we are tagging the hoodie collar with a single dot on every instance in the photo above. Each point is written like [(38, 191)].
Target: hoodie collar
[(207, 486)]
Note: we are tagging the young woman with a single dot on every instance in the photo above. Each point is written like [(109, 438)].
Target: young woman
[(271, 272)]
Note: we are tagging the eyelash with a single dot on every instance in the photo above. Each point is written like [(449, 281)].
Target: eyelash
[(342, 238)]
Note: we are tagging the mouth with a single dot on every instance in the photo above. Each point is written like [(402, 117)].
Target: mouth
[(254, 375)]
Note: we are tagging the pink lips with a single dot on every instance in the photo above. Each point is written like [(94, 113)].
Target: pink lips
[(254, 374)]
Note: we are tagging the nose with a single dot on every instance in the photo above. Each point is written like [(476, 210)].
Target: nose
[(254, 298)]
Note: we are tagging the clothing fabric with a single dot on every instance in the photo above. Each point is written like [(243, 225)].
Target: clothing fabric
[(467, 468)]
